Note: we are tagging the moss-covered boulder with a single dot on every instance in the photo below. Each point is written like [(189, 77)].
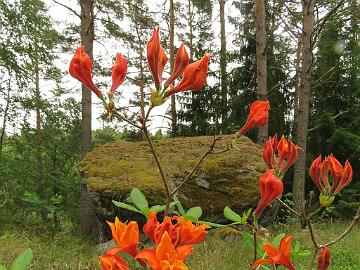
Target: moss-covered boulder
[(227, 179)]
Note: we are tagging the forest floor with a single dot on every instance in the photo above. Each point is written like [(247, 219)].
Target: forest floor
[(70, 251)]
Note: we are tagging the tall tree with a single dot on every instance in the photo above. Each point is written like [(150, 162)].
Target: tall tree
[(223, 61), (261, 61), (87, 40), (308, 7), (173, 98)]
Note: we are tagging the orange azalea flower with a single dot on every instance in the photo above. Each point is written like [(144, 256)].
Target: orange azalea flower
[(156, 57), (258, 116), (112, 262), (286, 151), (125, 235), (277, 256), (183, 232), (324, 259), (270, 187), (119, 71), (181, 62), (81, 69), (194, 77), (166, 256)]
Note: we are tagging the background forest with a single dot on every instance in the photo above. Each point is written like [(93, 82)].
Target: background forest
[(46, 124)]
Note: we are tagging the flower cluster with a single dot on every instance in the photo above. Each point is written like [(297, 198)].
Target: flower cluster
[(173, 241), (341, 177), (271, 185), (193, 75), (286, 151)]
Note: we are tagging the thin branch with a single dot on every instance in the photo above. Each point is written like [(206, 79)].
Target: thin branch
[(167, 188), (313, 258), (208, 152), (68, 8), (334, 117), (116, 113), (355, 220), (308, 222), (288, 207), (321, 23)]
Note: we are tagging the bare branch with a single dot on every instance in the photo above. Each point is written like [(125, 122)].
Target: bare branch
[(68, 8)]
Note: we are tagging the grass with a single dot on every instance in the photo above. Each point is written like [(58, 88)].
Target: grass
[(70, 251)]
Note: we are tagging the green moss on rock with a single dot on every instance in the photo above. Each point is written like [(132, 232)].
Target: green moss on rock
[(227, 179)]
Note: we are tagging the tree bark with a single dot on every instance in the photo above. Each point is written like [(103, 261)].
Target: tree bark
[(304, 88), (173, 99), (88, 219), (261, 62), (297, 82), (224, 92), (5, 116), (87, 40)]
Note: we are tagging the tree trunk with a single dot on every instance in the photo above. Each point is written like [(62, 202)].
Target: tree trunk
[(304, 88), (297, 83), (87, 40), (173, 99), (261, 62), (87, 218), (5, 116), (224, 107)]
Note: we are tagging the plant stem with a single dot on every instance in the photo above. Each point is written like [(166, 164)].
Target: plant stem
[(288, 207), (355, 220), (255, 245), (120, 116), (167, 188), (313, 258), (208, 152)]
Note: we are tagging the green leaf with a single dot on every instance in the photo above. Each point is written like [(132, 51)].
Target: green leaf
[(2, 267), (160, 208), (179, 206), (245, 216), (231, 215), (126, 206), (138, 198), (22, 261), (146, 212), (195, 212), (211, 224)]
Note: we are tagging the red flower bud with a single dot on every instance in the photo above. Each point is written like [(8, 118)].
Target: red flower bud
[(315, 169), (181, 62), (258, 116), (156, 57), (119, 71), (335, 170), (282, 149), (270, 187), (269, 151), (292, 154), (324, 259), (194, 77), (346, 177), (81, 69)]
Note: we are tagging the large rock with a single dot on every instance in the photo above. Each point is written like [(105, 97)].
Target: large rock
[(227, 179)]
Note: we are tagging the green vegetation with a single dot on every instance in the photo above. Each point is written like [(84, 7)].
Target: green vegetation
[(70, 251)]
